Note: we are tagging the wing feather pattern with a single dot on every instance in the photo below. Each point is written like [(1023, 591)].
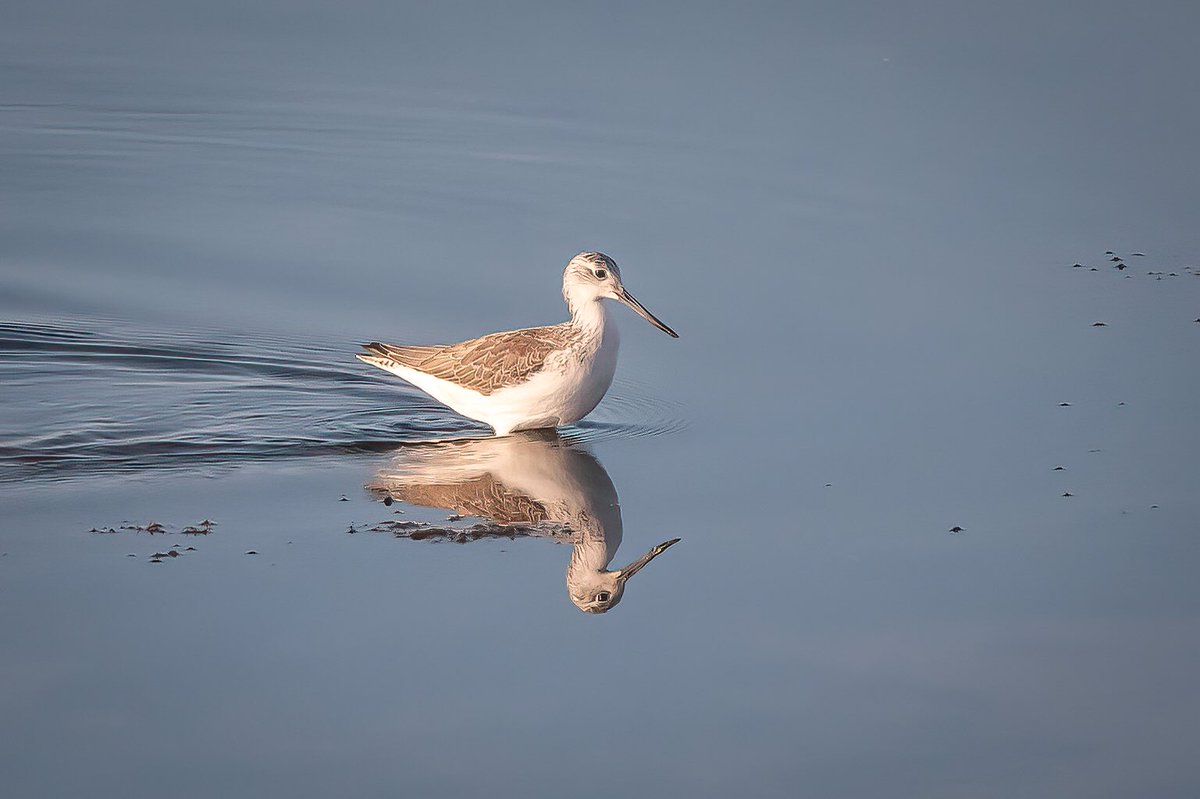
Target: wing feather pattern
[(486, 364)]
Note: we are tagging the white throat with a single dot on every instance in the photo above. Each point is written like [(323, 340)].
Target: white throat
[(590, 314)]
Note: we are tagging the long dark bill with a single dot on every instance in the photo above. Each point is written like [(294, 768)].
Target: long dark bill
[(636, 566), (632, 302)]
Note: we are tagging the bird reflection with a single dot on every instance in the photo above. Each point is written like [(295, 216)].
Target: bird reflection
[(537, 481)]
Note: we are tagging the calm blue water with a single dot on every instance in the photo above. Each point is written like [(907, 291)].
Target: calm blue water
[(863, 224)]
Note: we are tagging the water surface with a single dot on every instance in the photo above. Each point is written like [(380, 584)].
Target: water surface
[(862, 222)]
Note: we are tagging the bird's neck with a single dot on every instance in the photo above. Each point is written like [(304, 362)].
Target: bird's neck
[(590, 315)]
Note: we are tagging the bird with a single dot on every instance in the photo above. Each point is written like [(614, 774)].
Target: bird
[(537, 480), (533, 378)]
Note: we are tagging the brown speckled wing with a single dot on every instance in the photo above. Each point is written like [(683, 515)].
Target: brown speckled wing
[(483, 497), (486, 364)]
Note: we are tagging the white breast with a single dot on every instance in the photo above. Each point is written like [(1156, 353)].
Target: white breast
[(567, 390)]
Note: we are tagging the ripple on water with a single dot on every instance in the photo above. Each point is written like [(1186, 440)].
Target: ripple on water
[(96, 398)]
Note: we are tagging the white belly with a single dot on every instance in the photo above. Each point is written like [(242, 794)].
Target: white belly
[(556, 396)]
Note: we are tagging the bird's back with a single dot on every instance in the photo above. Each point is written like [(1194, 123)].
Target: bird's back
[(485, 364)]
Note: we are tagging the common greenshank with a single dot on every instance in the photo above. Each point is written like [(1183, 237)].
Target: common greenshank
[(533, 378)]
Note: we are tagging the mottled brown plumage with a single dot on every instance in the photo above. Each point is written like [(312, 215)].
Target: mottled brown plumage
[(486, 364), (481, 496)]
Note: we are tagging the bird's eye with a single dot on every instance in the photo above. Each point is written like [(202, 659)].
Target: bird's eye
[(600, 274), (602, 596)]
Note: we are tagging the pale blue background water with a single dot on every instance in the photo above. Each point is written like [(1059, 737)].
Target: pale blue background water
[(862, 223)]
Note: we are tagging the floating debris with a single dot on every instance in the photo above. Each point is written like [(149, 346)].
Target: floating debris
[(956, 529), (151, 528), (1138, 254), (1067, 494), (1059, 469), (251, 551), (1099, 324), (423, 531), (343, 499), (1064, 405), (104, 530), (388, 500), (1077, 266), (394, 525)]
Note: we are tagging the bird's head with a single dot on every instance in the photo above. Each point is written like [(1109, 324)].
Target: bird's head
[(600, 591), (593, 276)]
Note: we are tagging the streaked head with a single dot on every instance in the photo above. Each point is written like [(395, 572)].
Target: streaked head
[(600, 591), (593, 276)]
